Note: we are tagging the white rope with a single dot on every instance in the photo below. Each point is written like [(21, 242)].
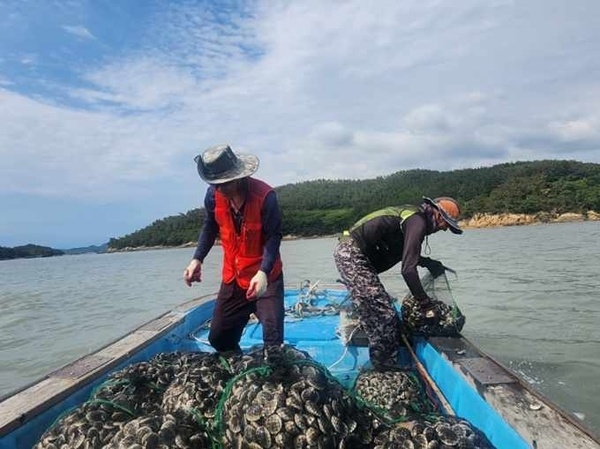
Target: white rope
[(305, 305), (202, 341), (345, 349)]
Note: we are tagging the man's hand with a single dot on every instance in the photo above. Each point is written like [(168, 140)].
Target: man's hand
[(258, 285), (435, 267), (193, 272)]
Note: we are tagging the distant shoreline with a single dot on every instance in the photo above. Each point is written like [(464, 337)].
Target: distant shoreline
[(193, 244), (478, 221), (501, 220)]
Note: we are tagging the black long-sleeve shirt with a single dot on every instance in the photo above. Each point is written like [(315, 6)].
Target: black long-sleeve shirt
[(415, 230), (386, 240), (271, 228)]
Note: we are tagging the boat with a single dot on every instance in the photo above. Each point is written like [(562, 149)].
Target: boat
[(462, 382)]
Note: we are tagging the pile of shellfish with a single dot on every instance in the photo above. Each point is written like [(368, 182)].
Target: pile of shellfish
[(206, 400), (449, 319)]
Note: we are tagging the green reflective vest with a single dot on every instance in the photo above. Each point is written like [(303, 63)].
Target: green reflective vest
[(380, 236)]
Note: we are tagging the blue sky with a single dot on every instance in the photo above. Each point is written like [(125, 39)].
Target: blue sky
[(104, 104)]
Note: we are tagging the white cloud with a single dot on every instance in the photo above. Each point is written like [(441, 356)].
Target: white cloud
[(316, 89), (48, 150), (581, 129), (427, 119), (332, 134), (145, 84), (28, 59), (79, 31)]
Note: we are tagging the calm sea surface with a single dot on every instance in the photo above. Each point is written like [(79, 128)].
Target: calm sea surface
[(531, 296)]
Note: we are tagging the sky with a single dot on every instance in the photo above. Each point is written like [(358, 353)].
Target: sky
[(105, 104)]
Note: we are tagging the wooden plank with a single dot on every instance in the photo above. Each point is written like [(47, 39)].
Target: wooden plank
[(485, 371), (29, 402), (81, 367), (427, 378), (193, 303), (538, 420), (18, 409)]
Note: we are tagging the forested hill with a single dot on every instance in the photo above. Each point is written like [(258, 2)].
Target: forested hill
[(325, 207), (28, 251)]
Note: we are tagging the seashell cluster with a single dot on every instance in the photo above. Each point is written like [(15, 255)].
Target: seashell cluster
[(441, 432), (206, 400), (398, 394), (449, 319), (299, 405)]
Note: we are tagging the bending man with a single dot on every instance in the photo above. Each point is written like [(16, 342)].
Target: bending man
[(376, 243)]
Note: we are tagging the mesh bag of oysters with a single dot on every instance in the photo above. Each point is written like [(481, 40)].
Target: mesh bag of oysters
[(404, 416), (446, 318), (159, 403), (205, 400), (208, 400), (294, 404)]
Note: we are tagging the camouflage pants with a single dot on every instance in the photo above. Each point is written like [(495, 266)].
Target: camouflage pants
[(372, 304)]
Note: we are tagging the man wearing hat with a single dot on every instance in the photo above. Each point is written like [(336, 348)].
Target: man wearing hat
[(374, 244), (243, 211)]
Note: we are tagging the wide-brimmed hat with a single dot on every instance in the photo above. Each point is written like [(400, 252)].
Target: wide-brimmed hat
[(449, 209), (219, 164)]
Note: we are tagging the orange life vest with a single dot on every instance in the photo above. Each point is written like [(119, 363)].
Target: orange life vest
[(242, 253)]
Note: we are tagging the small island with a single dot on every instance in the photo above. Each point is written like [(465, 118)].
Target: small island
[(28, 251)]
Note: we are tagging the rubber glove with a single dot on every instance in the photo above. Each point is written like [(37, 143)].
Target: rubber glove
[(435, 267), (193, 272), (430, 311), (258, 285)]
